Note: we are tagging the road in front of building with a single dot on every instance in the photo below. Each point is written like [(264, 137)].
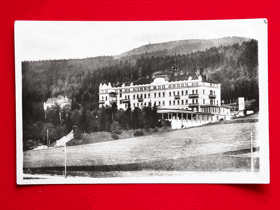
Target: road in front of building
[(222, 147)]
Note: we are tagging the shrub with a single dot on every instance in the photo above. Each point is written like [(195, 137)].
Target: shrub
[(166, 123), (77, 133), (115, 128), (138, 133), (115, 136), (155, 129)]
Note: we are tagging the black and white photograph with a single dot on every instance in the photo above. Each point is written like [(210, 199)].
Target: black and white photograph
[(142, 101)]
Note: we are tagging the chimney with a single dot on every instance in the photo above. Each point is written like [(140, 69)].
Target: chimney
[(197, 71)]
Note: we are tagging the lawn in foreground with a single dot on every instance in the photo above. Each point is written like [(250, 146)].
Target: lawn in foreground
[(196, 149)]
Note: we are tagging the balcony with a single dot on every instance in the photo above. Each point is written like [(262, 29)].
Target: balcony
[(176, 97), (194, 95), (101, 102), (125, 101), (212, 96), (193, 104), (140, 99)]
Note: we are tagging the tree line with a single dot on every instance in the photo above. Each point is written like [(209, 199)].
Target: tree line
[(60, 121), (234, 66)]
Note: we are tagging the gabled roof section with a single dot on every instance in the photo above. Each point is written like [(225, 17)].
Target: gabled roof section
[(181, 77)]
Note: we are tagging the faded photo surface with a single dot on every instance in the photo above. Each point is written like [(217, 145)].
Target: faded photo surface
[(142, 102)]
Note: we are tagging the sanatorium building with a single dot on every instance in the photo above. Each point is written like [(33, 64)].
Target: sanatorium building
[(186, 99)]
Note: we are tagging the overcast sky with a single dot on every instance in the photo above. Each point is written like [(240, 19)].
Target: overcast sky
[(41, 40)]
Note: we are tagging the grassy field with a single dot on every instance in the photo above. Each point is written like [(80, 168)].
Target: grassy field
[(210, 148)]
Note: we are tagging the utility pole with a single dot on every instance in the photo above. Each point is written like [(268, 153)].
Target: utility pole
[(47, 137)]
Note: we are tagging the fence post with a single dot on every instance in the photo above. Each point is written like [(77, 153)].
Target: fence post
[(65, 175), (252, 160)]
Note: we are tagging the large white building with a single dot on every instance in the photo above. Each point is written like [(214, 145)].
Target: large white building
[(187, 97)]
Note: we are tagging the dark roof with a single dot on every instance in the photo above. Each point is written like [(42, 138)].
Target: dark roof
[(143, 81), (180, 77)]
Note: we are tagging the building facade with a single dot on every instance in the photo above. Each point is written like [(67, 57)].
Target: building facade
[(178, 96)]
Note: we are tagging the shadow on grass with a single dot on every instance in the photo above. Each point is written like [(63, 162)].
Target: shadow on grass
[(214, 162)]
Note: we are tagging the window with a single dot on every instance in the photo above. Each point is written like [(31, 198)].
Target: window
[(182, 102), (133, 96), (182, 92), (173, 93), (159, 103), (182, 85), (203, 101), (178, 102), (106, 98), (203, 91), (163, 94), (196, 91), (169, 93), (149, 95), (141, 95), (169, 103), (196, 100), (163, 103), (120, 95), (177, 93), (145, 104), (102, 98), (192, 91), (173, 102), (134, 104), (186, 101), (125, 97), (155, 95), (186, 92), (178, 85), (158, 94)]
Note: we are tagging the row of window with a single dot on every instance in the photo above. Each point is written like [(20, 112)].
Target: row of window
[(212, 101), (103, 98), (158, 87), (174, 102), (175, 93)]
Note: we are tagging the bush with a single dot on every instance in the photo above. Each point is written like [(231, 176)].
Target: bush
[(155, 130), (115, 136), (138, 133), (77, 133), (115, 128), (166, 124)]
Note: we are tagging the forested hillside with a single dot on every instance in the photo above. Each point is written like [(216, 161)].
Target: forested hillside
[(235, 66)]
